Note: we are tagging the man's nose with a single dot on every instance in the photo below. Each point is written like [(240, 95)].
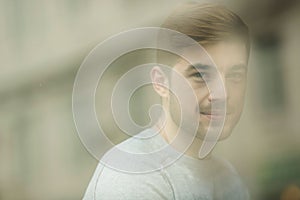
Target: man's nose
[(217, 91)]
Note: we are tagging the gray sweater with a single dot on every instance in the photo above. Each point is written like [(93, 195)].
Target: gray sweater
[(186, 179)]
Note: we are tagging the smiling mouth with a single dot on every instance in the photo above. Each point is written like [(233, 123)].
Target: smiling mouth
[(213, 116)]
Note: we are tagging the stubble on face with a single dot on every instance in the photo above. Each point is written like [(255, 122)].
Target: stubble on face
[(230, 60)]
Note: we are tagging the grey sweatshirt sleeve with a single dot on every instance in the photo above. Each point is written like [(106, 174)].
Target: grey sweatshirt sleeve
[(109, 184)]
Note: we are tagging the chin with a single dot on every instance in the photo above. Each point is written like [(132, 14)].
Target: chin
[(224, 135), (226, 132)]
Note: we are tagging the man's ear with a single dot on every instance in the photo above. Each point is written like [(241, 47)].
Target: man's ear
[(160, 81)]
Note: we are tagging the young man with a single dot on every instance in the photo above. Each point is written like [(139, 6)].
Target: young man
[(225, 38)]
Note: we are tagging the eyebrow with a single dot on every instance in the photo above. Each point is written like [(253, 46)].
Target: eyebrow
[(199, 66), (238, 67)]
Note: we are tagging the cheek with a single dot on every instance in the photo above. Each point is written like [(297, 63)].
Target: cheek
[(236, 90), (236, 96), (189, 95), (201, 92)]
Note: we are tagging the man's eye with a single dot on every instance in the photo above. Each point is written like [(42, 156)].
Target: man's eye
[(201, 77), (198, 75), (236, 76)]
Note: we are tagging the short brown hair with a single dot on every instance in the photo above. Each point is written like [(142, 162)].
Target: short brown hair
[(206, 24)]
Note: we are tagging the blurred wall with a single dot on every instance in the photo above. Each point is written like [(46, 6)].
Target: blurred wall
[(42, 46)]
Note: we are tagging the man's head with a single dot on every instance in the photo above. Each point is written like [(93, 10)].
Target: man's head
[(225, 38)]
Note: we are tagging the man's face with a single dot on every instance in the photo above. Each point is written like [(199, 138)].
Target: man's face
[(231, 61)]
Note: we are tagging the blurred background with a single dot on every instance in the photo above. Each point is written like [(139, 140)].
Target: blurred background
[(43, 43)]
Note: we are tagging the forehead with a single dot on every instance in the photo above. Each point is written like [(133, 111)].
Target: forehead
[(223, 55)]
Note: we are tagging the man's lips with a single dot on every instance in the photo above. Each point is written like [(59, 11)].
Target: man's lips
[(213, 116)]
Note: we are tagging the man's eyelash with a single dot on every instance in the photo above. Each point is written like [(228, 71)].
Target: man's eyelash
[(198, 74)]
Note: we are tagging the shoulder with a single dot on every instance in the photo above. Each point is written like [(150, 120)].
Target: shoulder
[(146, 141), (109, 183)]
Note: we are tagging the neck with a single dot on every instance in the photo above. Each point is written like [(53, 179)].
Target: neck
[(168, 130)]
